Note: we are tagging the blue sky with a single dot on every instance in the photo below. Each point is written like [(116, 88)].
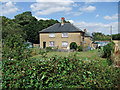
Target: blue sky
[(94, 16)]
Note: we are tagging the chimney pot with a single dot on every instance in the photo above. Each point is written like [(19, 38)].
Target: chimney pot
[(62, 21), (85, 30)]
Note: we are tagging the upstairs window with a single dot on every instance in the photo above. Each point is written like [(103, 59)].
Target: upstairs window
[(64, 34), (51, 35), (51, 43), (64, 44)]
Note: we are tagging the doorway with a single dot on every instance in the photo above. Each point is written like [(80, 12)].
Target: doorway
[(44, 44)]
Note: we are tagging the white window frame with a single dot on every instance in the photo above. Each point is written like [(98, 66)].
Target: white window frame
[(51, 34), (64, 44), (64, 34), (51, 43)]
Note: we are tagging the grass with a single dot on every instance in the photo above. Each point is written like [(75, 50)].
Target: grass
[(90, 55)]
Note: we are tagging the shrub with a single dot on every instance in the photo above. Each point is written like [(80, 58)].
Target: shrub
[(43, 53), (73, 45), (49, 48), (80, 48), (107, 50), (14, 47), (58, 72)]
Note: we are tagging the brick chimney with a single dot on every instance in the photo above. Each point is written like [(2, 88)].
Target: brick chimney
[(85, 30), (62, 21)]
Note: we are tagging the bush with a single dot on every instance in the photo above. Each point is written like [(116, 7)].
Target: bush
[(43, 53), (73, 45), (58, 72), (80, 48), (14, 47), (107, 50), (49, 48)]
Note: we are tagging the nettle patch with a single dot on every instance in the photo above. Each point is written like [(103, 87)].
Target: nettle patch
[(58, 72)]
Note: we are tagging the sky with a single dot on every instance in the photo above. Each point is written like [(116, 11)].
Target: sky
[(93, 16)]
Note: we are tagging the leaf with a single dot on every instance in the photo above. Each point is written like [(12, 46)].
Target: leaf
[(43, 77)]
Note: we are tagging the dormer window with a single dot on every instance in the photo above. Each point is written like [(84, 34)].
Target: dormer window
[(52, 35), (64, 34)]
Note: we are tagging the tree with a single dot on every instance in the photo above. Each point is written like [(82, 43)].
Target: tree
[(100, 37), (13, 47), (116, 36), (31, 26)]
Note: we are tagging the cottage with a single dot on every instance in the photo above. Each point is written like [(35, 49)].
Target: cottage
[(61, 35)]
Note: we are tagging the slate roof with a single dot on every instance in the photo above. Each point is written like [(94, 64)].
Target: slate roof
[(67, 27), (87, 34)]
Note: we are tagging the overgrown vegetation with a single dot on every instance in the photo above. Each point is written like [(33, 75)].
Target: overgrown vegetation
[(108, 51), (58, 72), (80, 48), (14, 48)]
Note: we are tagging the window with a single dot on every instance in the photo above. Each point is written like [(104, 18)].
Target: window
[(64, 44), (51, 35), (51, 43), (64, 34)]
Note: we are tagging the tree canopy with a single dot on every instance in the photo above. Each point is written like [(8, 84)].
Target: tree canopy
[(26, 25)]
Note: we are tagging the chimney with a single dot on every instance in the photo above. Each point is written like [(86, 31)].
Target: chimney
[(62, 21), (85, 30)]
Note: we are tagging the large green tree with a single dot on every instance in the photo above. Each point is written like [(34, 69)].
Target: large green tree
[(100, 37), (31, 26)]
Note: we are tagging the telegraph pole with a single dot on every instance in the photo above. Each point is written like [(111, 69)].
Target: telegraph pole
[(111, 32)]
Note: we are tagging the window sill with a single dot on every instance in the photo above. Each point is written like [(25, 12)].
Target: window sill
[(64, 47), (51, 37), (64, 37)]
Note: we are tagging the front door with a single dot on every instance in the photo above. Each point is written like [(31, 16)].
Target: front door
[(44, 44)]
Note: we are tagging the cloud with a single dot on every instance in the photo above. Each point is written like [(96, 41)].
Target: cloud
[(39, 18), (71, 21), (97, 15), (46, 8), (4, 0), (87, 8), (9, 8), (97, 27), (74, 13), (75, 5), (114, 17)]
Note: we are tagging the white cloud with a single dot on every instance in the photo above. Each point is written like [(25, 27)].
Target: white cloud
[(114, 17), (97, 15), (75, 5), (87, 8), (46, 8), (39, 18), (98, 27), (71, 21), (9, 8), (74, 13), (4, 0)]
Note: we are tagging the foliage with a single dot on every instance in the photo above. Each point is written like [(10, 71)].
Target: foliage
[(48, 48), (58, 72), (43, 53), (13, 47), (108, 50), (26, 25), (100, 37), (80, 48), (116, 36), (73, 45)]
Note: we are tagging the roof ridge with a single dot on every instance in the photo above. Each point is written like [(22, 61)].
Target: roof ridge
[(48, 27), (76, 27)]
